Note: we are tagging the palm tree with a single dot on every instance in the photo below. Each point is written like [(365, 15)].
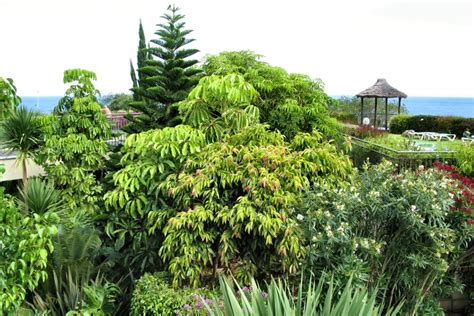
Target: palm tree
[(20, 132)]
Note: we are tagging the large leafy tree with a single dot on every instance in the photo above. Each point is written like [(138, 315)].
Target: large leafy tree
[(290, 103), (219, 194), (165, 77), (20, 132), (75, 141)]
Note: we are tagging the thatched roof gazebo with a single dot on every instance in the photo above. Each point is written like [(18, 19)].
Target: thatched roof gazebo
[(381, 89)]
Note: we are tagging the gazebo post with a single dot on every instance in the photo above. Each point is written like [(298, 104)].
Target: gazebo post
[(386, 113), (399, 104), (375, 113), (361, 109)]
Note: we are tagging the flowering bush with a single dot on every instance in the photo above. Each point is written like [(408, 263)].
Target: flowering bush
[(394, 231), (462, 191)]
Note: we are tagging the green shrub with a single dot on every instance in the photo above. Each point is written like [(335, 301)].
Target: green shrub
[(226, 205), (393, 231), (428, 123), (465, 160), (399, 124), (26, 240), (345, 117), (153, 295)]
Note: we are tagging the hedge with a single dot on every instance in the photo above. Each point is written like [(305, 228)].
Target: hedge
[(345, 117), (429, 123)]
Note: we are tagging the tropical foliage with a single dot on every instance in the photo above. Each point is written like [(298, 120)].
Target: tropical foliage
[(26, 240), (224, 205), (290, 103), (75, 141), (20, 133), (315, 299), (231, 175)]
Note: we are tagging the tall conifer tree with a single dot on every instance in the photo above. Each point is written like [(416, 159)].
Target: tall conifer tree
[(165, 74)]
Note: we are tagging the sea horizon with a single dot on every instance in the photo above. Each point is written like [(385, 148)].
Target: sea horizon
[(415, 105)]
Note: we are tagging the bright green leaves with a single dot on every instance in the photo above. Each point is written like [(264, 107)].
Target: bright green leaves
[(8, 98), (235, 203), (231, 88), (25, 242), (225, 205), (290, 103), (220, 104), (148, 158), (75, 141)]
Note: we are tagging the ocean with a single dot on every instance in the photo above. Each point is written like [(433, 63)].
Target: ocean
[(414, 105)]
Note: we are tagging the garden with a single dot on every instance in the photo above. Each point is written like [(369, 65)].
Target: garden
[(235, 192)]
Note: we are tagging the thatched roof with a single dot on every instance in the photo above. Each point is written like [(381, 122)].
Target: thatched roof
[(383, 90)]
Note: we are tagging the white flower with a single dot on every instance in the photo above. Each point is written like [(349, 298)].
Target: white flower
[(413, 207), (299, 217)]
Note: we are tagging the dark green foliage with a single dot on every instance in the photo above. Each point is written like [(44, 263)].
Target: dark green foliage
[(428, 123), (75, 282), (165, 75), (290, 103)]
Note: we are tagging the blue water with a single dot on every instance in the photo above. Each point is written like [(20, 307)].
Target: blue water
[(415, 105), (41, 104), (440, 106)]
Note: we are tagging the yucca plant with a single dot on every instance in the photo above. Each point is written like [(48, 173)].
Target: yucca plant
[(20, 133), (40, 197), (320, 298)]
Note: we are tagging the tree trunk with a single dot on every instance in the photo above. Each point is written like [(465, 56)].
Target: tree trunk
[(25, 173)]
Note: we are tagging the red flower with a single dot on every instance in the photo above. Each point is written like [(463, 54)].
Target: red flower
[(470, 221)]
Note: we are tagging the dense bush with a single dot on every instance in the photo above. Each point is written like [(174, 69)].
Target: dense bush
[(465, 159), (153, 295), (401, 233), (26, 240), (428, 123), (225, 205), (345, 117)]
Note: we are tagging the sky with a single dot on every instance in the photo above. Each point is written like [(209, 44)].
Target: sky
[(422, 47)]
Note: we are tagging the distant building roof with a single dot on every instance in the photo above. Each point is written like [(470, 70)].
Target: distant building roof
[(383, 90)]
